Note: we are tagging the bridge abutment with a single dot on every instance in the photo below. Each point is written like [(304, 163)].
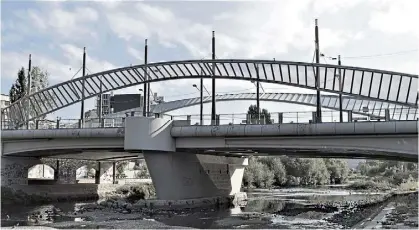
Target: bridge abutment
[(179, 176), (105, 173), (14, 170)]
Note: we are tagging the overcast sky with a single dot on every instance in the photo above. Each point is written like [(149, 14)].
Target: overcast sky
[(113, 33)]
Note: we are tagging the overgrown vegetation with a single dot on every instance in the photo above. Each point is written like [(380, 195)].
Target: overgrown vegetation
[(256, 117), (387, 174), (266, 172), (134, 192), (141, 169)]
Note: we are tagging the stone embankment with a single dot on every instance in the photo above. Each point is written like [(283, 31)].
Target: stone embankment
[(38, 194), (124, 205)]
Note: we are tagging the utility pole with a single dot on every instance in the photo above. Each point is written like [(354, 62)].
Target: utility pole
[(201, 116), (29, 92), (319, 107), (82, 91), (257, 93), (340, 92), (213, 111), (145, 84), (100, 112)]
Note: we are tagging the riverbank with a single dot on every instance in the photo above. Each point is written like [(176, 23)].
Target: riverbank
[(44, 194), (285, 208)]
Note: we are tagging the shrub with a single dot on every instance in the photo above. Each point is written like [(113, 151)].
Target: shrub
[(136, 191), (369, 185)]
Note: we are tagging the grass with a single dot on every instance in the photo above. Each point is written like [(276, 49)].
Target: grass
[(369, 185), (409, 186)]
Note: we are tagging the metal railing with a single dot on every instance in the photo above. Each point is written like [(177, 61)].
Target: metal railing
[(221, 119)]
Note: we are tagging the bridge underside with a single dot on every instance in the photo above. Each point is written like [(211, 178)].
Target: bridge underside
[(306, 153), (120, 154), (82, 154)]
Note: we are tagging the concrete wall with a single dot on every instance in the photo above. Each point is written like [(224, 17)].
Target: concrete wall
[(56, 192), (14, 170), (106, 173), (178, 176), (143, 133)]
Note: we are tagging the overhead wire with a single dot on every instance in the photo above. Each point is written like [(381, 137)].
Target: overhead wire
[(381, 55)]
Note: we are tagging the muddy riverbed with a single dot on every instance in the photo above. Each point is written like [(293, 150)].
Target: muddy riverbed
[(325, 208)]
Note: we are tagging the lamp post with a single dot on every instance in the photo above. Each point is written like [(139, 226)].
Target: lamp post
[(195, 86), (29, 92), (257, 93), (339, 75), (213, 110), (201, 118), (145, 101), (141, 99), (317, 75)]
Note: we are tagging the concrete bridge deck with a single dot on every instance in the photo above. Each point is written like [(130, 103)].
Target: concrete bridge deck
[(389, 140)]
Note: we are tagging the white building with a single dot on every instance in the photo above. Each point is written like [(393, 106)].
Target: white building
[(5, 101)]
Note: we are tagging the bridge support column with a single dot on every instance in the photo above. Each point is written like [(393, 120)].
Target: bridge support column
[(350, 116), (387, 114), (280, 118), (104, 173), (14, 170), (66, 171), (178, 176)]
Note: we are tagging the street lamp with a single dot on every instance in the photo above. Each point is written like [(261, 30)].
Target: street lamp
[(339, 75), (195, 86), (201, 109)]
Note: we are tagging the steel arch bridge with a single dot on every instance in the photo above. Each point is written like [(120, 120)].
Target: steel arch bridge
[(379, 85), (356, 106)]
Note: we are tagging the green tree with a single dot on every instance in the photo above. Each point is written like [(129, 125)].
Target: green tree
[(258, 174), (18, 89), (338, 170), (394, 172), (253, 115), (39, 81), (120, 169), (305, 171), (275, 165), (141, 168)]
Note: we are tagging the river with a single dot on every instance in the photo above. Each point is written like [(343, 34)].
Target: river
[(278, 208)]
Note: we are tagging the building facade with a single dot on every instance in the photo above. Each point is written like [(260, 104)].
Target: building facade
[(5, 101)]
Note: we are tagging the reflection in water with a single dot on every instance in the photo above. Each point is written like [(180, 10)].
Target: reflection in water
[(39, 215), (273, 203)]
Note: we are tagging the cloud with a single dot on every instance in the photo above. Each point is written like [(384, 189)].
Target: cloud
[(73, 55), (249, 30), (16, 60), (55, 34), (55, 19), (395, 17), (135, 53)]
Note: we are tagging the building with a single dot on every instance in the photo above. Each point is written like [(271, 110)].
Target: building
[(106, 103), (122, 102), (5, 101), (116, 106)]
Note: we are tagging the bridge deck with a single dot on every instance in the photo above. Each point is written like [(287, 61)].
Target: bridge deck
[(355, 128)]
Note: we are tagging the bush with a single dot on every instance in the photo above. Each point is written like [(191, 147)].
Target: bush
[(136, 191), (369, 185)]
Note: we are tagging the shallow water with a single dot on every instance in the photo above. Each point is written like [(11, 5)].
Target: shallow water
[(269, 203)]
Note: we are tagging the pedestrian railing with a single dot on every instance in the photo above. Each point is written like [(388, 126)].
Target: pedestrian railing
[(207, 119)]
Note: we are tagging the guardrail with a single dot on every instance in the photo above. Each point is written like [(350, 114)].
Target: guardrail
[(195, 119)]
